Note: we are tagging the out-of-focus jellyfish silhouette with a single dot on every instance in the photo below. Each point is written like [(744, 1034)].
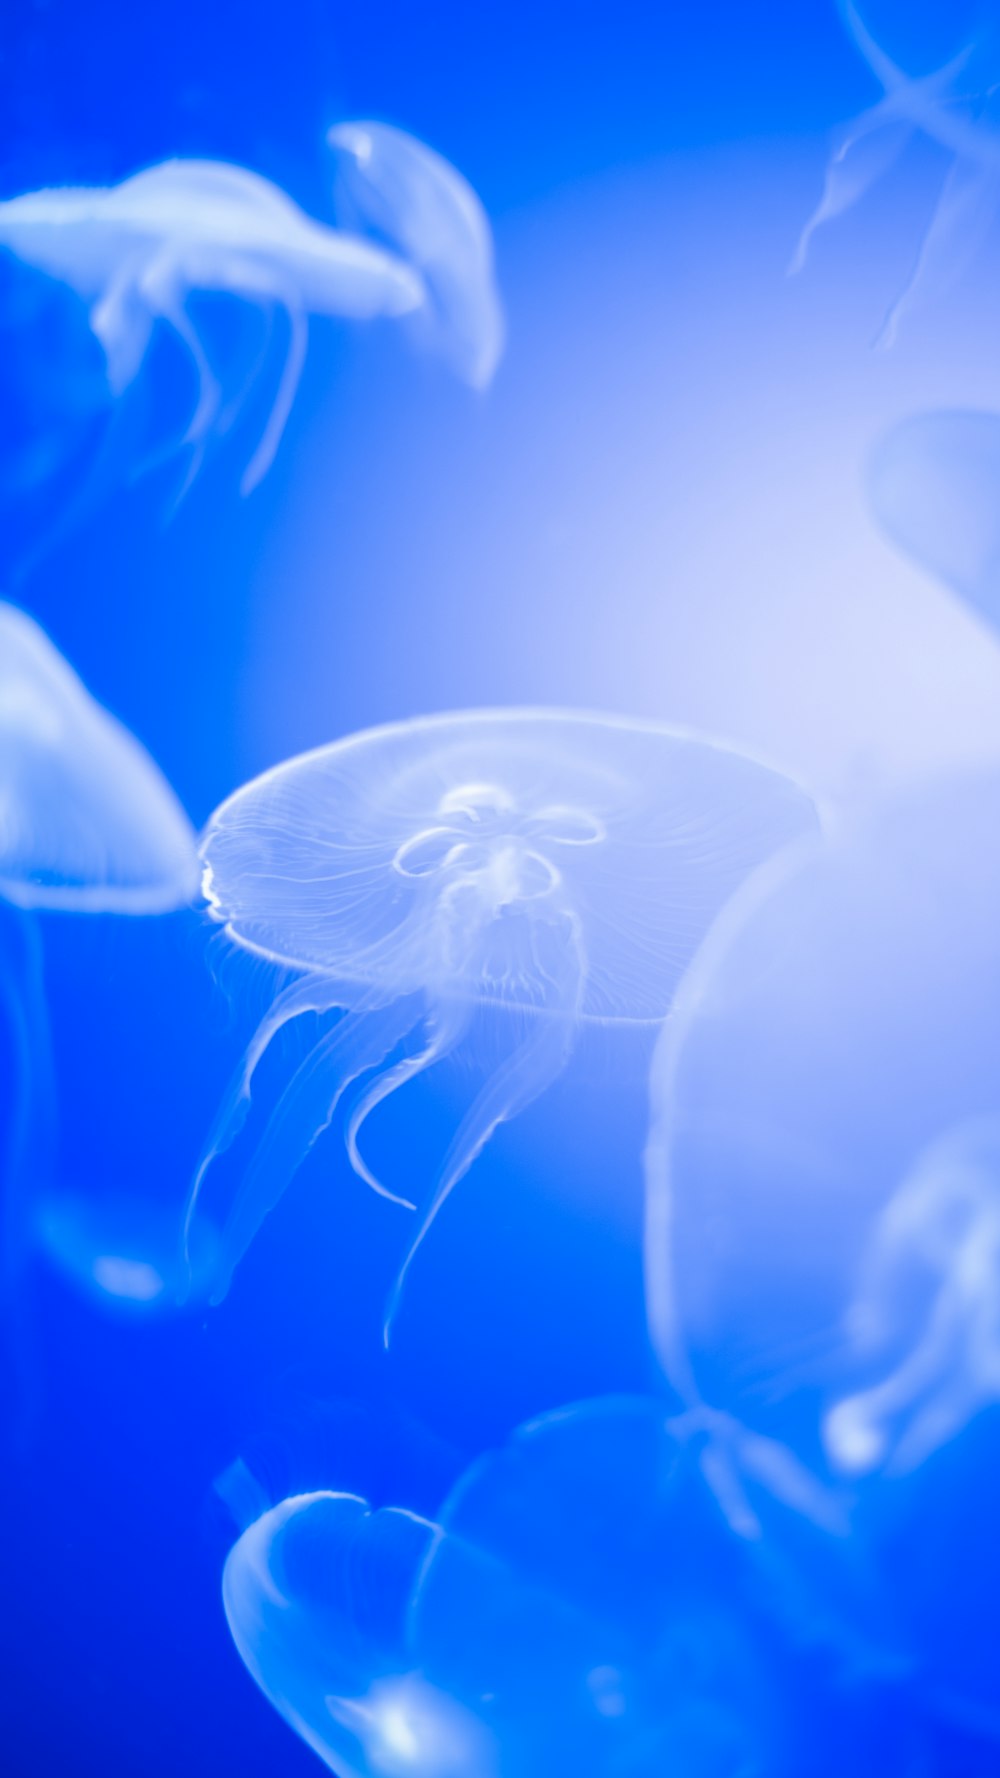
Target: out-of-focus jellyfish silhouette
[(822, 1232), (955, 107), (934, 486), (577, 1604), (119, 1252), (423, 209), (87, 825), (553, 867), (135, 252), (927, 1305)]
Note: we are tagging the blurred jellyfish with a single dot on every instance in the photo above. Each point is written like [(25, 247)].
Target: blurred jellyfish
[(404, 193), (118, 1252), (316, 1593), (135, 252), (928, 1297), (87, 825), (956, 107), (555, 868), (934, 486), (576, 1605), (821, 1247)]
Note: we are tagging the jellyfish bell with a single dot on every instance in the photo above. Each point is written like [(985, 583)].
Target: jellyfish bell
[(87, 822), (555, 869), (934, 487), (821, 1248), (316, 1593), (393, 186)]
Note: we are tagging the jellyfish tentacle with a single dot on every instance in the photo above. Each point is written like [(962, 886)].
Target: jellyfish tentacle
[(306, 994), (963, 217), (122, 323), (291, 374), (533, 1066), (163, 286), (360, 1040), (447, 1023)]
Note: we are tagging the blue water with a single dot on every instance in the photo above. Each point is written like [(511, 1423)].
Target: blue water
[(660, 509)]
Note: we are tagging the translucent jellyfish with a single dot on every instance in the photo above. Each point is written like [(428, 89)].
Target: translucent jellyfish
[(576, 1605), (316, 1594), (934, 486), (87, 825), (927, 1308), (118, 1252), (955, 107), (135, 252), (87, 822), (403, 192), (821, 1234), (552, 868)]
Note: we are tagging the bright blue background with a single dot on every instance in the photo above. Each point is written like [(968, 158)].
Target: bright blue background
[(656, 510)]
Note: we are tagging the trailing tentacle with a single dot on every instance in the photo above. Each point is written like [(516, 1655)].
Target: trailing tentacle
[(313, 993), (447, 1022), (359, 1041), (295, 358), (532, 1067)]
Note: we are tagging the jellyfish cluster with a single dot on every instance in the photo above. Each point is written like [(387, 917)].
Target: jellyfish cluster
[(781, 1557)]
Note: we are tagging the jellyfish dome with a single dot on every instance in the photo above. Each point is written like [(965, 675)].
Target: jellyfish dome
[(934, 487), (822, 1237), (554, 868), (87, 822), (316, 1594), (393, 186)]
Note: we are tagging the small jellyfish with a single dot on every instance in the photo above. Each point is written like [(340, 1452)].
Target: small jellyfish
[(955, 107), (928, 1297), (550, 867), (118, 1252), (316, 1594), (821, 1257), (135, 253), (87, 825), (934, 487), (404, 193)]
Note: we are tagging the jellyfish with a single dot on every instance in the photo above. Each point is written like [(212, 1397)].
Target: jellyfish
[(934, 486), (87, 825), (316, 1593), (406, 195), (955, 107), (575, 1604), (118, 1252), (553, 868), (928, 1295), (821, 1198), (135, 252)]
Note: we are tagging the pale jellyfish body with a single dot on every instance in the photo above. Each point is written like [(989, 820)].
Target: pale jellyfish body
[(956, 107), (88, 824), (135, 252), (823, 1230), (934, 487), (316, 1594), (423, 209), (556, 869)]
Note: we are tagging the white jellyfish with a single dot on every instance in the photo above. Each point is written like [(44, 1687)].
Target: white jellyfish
[(926, 1310), (316, 1593), (934, 486), (956, 108), (117, 1251), (822, 1226), (135, 252), (87, 825), (415, 202), (555, 868)]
